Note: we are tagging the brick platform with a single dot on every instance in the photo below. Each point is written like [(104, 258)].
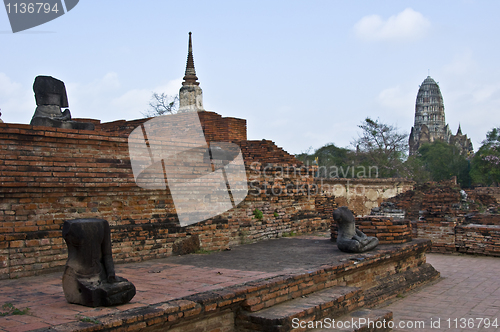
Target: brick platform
[(206, 294)]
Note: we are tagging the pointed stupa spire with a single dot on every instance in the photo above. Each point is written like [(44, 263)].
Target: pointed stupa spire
[(190, 74), (190, 94)]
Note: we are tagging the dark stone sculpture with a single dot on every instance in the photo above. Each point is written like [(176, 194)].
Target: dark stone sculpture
[(349, 238), (50, 96), (89, 277)]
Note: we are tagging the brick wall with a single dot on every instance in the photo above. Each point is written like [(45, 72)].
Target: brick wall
[(439, 214), (442, 235), (387, 230), (215, 127), (483, 219), (50, 175), (478, 239), (491, 191)]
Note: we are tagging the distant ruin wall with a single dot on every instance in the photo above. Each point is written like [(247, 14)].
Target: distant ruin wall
[(493, 191), (50, 175), (478, 239), (361, 195), (438, 212)]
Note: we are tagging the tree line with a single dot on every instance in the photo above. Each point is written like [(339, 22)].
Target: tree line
[(381, 150), (385, 147)]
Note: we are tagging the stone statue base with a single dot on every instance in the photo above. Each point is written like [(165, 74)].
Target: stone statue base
[(92, 292), (50, 96), (349, 238), (89, 277), (51, 116), (49, 122)]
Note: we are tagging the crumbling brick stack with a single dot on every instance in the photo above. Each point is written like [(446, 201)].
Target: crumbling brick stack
[(482, 197), (437, 211), (264, 150), (490, 191), (478, 239), (409, 201), (483, 219), (437, 205)]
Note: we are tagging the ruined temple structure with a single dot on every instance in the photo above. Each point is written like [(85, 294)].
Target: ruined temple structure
[(59, 174), (190, 94), (430, 124)]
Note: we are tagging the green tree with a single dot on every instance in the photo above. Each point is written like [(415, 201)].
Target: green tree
[(414, 168), (382, 145), (444, 161), (486, 162), (332, 160), (161, 104)]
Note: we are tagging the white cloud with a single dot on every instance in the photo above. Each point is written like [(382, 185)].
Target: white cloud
[(17, 102), (105, 99), (407, 25)]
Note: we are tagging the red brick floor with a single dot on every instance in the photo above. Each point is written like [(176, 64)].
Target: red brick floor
[(469, 288), (155, 281)]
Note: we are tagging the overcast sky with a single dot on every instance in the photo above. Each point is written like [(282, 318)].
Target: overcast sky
[(303, 73)]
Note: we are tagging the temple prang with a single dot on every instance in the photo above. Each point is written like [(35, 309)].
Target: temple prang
[(430, 124)]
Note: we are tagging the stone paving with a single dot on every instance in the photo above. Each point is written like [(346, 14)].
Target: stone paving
[(155, 281), (469, 287)]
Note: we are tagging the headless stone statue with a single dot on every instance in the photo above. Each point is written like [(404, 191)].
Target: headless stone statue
[(350, 239), (50, 96), (89, 277)]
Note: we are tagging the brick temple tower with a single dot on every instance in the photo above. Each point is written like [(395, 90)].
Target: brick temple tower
[(190, 94), (430, 123)]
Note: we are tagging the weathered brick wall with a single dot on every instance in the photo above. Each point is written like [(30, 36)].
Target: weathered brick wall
[(361, 195), (50, 175), (442, 235), (217, 128), (478, 239), (491, 191), (387, 230), (483, 219), (439, 214)]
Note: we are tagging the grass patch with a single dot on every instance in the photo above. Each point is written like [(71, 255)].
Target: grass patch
[(258, 214), (10, 309), (290, 234), (203, 252), (86, 319)]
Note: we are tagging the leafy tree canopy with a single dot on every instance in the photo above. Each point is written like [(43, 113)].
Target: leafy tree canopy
[(443, 161), (486, 162)]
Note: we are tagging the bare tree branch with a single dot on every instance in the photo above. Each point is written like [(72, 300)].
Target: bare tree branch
[(161, 104)]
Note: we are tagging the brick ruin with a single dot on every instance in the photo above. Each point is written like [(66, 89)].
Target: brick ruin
[(50, 175), (439, 212), (363, 194)]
